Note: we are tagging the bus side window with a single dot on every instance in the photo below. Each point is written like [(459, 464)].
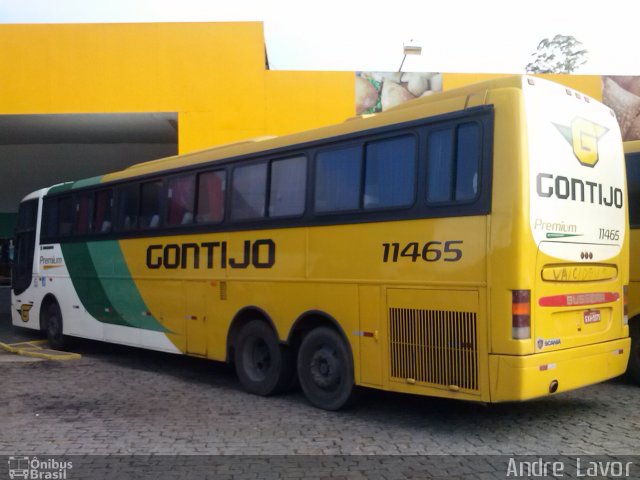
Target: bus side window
[(180, 196), (211, 190), (150, 201), (49, 218), (102, 219), (468, 161), (440, 166), (338, 175), (453, 163), (128, 207), (83, 213), (248, 194), (288, 187), (390, 173), (65, 216)]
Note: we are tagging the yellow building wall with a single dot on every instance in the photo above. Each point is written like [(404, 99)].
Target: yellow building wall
[(589, 84), (212, 74), (304, 100)]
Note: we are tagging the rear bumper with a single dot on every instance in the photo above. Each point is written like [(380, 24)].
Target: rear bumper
[(514, 378)]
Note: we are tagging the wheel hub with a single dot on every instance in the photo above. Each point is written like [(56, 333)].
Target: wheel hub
[(260, 360), (325, 368)]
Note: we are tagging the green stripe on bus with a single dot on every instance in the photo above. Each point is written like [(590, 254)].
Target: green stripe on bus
[(87, 182), (119, 287), (63, 187), (88, 285)]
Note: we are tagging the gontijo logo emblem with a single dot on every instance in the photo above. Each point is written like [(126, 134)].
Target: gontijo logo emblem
[(583, 136)]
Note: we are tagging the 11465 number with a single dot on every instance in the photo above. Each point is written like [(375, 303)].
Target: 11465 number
[(432, 251)]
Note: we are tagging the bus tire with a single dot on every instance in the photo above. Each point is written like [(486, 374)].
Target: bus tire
[(264, 367), (633, 369), (54, 327), (325, 369)]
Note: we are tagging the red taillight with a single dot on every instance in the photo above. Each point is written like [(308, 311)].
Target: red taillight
[(520, 314), (625, 299)]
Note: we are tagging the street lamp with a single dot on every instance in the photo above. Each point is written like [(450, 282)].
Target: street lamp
[(410, 49)]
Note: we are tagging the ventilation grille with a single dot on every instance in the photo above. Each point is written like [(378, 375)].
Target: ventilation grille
[(434, 347)]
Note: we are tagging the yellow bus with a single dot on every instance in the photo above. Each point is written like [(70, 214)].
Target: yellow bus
[(632, 154), (470, 244)]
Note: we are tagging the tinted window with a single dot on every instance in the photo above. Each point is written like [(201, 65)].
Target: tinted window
[(128, 207), (102, 217), (27, 215), (249, 191), (84, 211), (633, 185), (150, 200), (49, 218), (453, 163), (65, 216), (468, 161), (211, 188), (390, 173), (181, 196), (287, 192), (440, 166), (338, 174)]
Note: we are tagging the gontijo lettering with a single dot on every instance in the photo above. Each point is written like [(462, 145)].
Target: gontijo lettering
[(563, 188), (258, 253)]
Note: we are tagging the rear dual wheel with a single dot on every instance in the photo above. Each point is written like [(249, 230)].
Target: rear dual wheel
[(264, 367), (325, 369)]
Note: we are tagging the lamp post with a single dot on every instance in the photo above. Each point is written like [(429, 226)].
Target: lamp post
[(410, 49)]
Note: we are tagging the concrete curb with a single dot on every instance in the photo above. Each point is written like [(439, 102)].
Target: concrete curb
[(35, 350)]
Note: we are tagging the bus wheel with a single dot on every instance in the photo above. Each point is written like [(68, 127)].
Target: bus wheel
[(54, 328), (325, 369), (633, 369), (264, 367)]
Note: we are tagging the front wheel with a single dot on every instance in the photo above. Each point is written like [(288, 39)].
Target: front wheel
[(325, 369), (633, 369), (264, 367), (54, 328)]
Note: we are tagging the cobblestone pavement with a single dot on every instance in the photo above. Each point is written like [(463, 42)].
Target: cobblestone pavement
[(120, 400)]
